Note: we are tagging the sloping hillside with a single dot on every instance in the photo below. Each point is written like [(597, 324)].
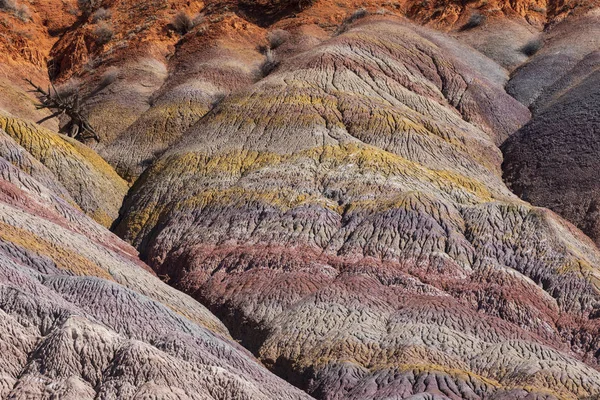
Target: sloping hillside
[(552, 162), (83, 318), (349, 210), (316, 193)]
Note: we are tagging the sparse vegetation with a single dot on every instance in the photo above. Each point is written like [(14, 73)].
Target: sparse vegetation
[(474, 21), (182, 23), (355, 16), (101, 14), (282, 4), (103, 33), (532, 47), (7, 5), (302, 4), (199, 20), (537, 9), (269, 64), (109, 77), (277, 38), (87, 7), (20, 11), (392, 4), (68, 89), (66, 101)]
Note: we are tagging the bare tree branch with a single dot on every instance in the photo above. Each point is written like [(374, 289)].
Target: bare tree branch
[(78, 127)]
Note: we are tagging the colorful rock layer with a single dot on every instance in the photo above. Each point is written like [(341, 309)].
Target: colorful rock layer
[(89, 181), (82, 318), (346, 218)]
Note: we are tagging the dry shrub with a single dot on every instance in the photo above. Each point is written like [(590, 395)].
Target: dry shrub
[(355, 16), (474, 21), (103, 33), (182, 23), (101, 14), (277, 38), (109, 77), (20, 11), (87, 7), (532, 47), (269, 64)]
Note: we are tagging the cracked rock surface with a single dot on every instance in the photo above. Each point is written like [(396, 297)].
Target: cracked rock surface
[(82, 318), (71, 169), (323, 181), (551, 162), (345, 217)]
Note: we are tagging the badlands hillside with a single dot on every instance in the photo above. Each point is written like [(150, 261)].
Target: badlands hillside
[(300, 199)]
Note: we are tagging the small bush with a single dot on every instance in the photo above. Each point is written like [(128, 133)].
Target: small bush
[(199, 20), (532, 47), (474, 21), (277, 6), (269, 64), (302, 4), (182, 23), (110, 76), (87, 7), (262, 49), (103, 33), (540, 10), (101, 14), (8, 5), (277, 38), (20, 11), (356, 15), (68, 89)]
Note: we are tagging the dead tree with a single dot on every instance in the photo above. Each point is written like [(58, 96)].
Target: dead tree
[(78, 126)]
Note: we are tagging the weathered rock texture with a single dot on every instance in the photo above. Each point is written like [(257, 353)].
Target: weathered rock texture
[(205, 68), (325, 179), (346, 218), (558, 65), (90, 182), (552, 161), (147, 84), (82, 318)]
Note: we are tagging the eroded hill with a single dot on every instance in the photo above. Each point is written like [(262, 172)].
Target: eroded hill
[(325, 178)]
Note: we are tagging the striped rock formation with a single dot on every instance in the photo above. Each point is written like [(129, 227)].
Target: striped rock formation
[(552, 161), (205, 68), (325, 179), (82, 318), (148, 83), (88, 180), (346, 219)]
